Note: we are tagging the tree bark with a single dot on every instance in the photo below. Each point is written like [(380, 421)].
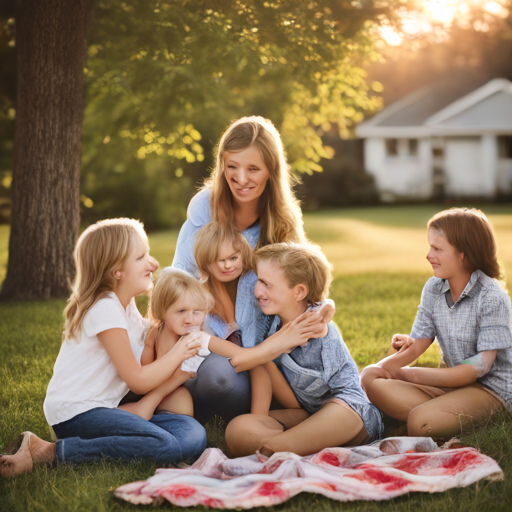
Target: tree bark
[(51, 52)]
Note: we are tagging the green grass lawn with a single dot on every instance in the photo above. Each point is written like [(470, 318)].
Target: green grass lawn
[(378, 259)]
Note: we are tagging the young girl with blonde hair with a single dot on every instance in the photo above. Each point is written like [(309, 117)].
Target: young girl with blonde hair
[(250, 191), (99, 361), (466, 308), (178, 306)]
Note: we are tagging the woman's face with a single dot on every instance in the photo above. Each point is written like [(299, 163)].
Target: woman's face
[(246, 174), (229, 264), (446, 261)]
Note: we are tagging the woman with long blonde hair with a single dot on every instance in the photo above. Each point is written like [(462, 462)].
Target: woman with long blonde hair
[(99, 361), (249, 190)]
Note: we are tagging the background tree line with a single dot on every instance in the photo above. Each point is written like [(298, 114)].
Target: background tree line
[(162, 79)]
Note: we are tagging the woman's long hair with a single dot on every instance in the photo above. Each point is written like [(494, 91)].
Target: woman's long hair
[(279, 210), (101, 249), (469, 231), (206, 252)]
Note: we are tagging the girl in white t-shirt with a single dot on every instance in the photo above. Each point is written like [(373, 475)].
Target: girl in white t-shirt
[(178, 306), (99, 361)]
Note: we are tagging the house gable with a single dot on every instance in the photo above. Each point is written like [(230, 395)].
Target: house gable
[(486, 110), (406, 117)]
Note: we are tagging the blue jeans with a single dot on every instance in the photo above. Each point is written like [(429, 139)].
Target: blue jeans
[(218, 390), (118, 434)]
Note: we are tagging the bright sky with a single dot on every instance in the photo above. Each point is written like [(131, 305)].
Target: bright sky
[(439, 13)]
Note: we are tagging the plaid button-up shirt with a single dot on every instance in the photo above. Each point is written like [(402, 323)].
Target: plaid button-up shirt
[(480, 320)]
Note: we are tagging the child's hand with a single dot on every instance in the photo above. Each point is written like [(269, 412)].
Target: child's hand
[(203, 338), (300, 330), (186, 347), (318, 325), (316, 322), (401, 341), (327, 310)]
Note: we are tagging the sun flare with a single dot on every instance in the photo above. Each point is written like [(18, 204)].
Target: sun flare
[(437, 14)]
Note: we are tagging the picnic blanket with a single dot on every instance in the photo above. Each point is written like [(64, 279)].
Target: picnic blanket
[(383, 470)]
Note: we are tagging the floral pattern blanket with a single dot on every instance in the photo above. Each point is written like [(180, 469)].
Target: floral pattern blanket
[(383, 470)]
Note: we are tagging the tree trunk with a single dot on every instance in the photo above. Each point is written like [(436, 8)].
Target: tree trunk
[(51, 51)]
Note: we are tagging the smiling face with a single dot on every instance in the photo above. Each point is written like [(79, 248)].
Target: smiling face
[(135, 272), (184, 315), (447, 262), (246, 174), (275, 297), (229, 264)]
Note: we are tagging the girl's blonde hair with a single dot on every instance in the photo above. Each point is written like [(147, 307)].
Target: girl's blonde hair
[(469, 231), (173, 284), (101, 249), (279, 210), (206, 252), (301, 264)]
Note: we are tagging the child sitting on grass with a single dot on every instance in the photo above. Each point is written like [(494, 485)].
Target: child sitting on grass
[(177, 307), (322, 374), (99, 361), (466, 308)]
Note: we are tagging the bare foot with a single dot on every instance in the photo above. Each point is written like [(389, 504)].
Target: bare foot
[(42, 452), (20, 462)]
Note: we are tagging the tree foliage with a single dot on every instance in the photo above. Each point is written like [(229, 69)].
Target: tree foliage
[(165, 78)]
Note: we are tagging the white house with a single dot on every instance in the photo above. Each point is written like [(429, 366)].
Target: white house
[(437, 143)]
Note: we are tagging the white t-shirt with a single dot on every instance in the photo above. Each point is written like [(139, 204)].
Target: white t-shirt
[(84, 376)]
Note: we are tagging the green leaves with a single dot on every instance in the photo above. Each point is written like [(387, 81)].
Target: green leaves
[(157, 67)]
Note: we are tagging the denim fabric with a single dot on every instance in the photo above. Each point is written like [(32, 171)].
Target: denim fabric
[(118, 434), (247, 313), (324, 369), (218, 390), (478, 321), (247, 310)]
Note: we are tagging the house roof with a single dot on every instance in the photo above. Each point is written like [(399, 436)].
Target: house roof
[(453, 106)]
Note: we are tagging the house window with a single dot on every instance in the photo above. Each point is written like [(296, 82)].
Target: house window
[(391, 147), (402, 148), (505, 146)]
